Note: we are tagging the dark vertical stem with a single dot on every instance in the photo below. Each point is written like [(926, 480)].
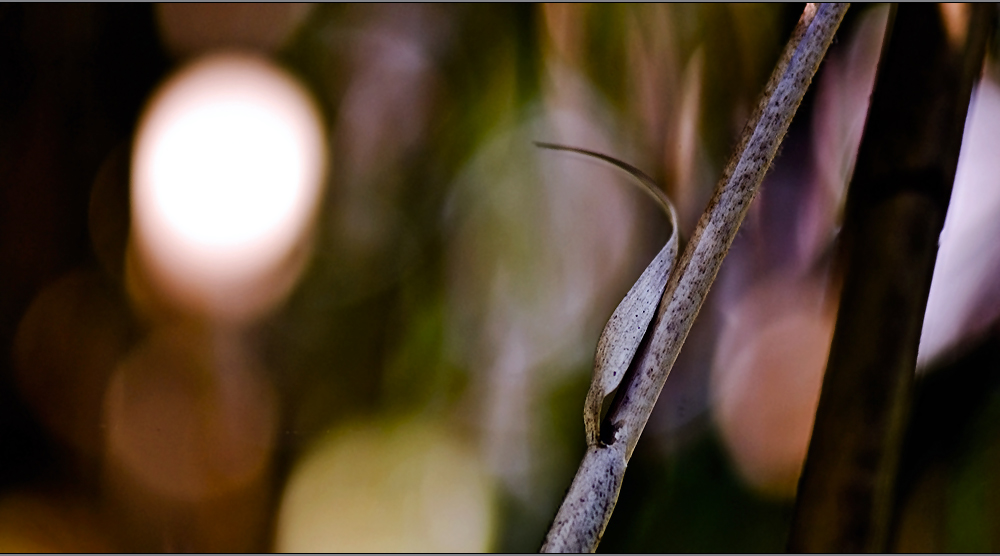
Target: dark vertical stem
[(895, 210)]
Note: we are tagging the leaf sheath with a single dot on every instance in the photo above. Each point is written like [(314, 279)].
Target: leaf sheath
[(581, 520)]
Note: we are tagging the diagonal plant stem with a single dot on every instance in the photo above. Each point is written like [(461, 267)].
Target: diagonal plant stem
[(591, 498), (895, 210)]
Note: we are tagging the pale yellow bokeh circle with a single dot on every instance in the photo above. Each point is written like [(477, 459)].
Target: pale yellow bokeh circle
[(402, 488)]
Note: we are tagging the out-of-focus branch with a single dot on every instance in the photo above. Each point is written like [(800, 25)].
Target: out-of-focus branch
[(587, 507), (895, 210)]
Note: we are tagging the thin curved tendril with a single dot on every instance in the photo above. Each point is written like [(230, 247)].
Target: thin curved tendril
[(631, 319), (648, 185)]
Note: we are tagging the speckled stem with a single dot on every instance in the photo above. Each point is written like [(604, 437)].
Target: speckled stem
[(580, 522)]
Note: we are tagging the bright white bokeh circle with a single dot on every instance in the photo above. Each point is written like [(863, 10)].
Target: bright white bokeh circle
[(226, 172)]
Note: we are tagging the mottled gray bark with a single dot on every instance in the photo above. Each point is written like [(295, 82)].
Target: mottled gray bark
[(585, 511)]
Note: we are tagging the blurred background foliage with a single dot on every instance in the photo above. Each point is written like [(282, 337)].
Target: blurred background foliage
[(421, 385)]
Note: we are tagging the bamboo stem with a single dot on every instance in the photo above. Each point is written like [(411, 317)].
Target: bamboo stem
[(895, 210), (587, 508)]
